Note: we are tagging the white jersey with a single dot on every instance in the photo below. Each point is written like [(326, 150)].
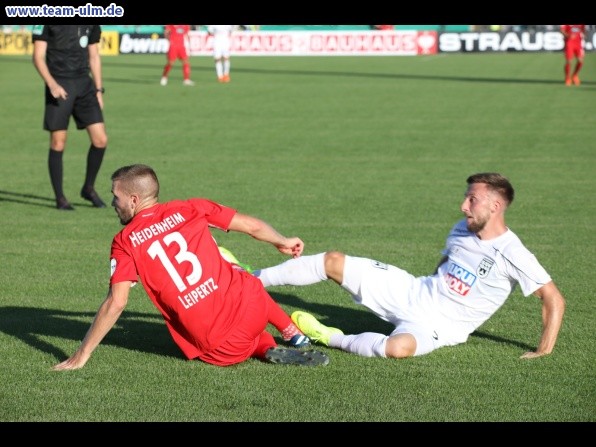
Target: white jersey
[(222, 35), (445, 308), (480, 275)]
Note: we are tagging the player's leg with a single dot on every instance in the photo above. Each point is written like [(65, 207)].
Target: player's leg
[(88, 115), (218, 59), (226, 67), (97, 149), (400, 346), (567, 66), (170, 59), (300, 271), (186, 71), (284, 324), (56, 119), (250, 339), (55, 168), (183, 56), (579, 62), (370, 344), (219, 69)]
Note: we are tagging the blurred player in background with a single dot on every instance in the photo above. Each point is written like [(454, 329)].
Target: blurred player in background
[(574, 48), (179, 40), (63, 55), (222, 41)]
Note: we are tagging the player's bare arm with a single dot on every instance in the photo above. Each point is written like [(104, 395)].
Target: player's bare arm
[(262, 231), (553, 308), (95, 67), (104, 320), (39, 61)]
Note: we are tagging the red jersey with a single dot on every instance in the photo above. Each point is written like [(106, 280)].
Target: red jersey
[(169, 247), (573, 33), (177, 34)]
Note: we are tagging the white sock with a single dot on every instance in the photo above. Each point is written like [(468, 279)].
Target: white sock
[(300, 271), (367, 344), (219, 69), (226, 67)]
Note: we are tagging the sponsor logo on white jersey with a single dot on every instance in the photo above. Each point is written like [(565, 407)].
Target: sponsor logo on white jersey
[(459, 280)]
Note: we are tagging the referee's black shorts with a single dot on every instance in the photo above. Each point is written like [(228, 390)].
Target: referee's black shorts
[(81, 102)]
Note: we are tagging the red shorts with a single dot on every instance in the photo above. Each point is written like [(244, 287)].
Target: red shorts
[(248, 339), (574, 49), (177, 52)]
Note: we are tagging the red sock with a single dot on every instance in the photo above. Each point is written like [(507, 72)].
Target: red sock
[(290, 331), (578, 67), (282, 321)]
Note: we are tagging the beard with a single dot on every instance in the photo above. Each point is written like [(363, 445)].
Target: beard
[(124, 218), (476, 225)]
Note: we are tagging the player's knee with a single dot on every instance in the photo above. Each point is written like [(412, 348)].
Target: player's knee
[(58, 143), (99, 140), (400, 346)]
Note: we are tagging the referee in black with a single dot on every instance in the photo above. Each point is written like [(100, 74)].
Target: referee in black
[(64, 55)]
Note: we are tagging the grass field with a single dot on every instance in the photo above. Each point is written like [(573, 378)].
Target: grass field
[(367, 155)]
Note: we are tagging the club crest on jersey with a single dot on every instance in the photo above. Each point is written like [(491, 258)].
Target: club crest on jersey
[(379, 265), (484, 267), (459, 280)]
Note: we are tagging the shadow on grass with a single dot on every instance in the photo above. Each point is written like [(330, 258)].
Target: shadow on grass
[(147, 332), (35, 200), (356, 321), (144, 332), (156, 70)]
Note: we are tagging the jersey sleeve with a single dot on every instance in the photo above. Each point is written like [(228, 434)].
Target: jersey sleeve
[(122, 265), (39, 32), (526, 270), (95, 35), (217, 215)]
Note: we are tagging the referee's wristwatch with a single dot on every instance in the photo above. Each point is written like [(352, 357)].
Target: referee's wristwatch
[(101, 90)]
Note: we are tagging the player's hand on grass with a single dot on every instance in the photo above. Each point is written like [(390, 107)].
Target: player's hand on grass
[(532, 355), (77, 361)]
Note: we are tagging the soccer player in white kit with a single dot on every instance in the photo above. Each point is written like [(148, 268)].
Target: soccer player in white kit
[(483, 261), (222, 41)]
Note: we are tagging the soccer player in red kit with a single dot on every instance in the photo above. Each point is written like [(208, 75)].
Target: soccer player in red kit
[(574, 48), (214, 311), (178, 37)]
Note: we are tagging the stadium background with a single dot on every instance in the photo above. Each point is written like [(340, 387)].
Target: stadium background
[(324, 40)]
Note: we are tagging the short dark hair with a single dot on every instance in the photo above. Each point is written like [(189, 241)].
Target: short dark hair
[(138, 177), (495, 182)]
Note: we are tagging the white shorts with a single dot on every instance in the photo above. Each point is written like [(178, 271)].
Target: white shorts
[(398, 297), (221, 47)]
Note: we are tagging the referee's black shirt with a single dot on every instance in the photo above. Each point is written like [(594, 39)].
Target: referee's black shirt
[(67, 55)]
